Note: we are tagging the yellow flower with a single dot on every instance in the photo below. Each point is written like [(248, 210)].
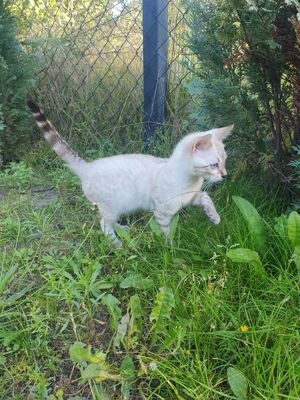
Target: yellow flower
[(244, 328)]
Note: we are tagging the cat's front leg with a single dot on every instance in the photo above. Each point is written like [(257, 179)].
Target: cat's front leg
[(164, 221), (202, 199)]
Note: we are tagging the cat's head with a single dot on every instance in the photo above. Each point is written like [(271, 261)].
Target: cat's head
[(204, 153)]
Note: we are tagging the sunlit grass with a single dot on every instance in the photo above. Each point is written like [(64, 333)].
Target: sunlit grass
[(56, 267)]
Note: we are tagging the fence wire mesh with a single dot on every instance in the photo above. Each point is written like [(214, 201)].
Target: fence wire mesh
[(90, 62)]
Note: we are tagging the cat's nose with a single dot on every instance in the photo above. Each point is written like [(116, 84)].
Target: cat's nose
[(223, 174)]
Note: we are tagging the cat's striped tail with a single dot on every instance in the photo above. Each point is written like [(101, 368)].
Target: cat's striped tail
[(61, 148)]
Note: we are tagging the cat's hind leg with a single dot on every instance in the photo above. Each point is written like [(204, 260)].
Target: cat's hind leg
[(107, 227), (124, 227), (107, 223)]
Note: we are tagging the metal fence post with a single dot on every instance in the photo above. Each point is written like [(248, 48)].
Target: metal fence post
[(155, 50)]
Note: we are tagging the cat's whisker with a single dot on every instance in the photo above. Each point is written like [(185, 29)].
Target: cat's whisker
[(183, 194)]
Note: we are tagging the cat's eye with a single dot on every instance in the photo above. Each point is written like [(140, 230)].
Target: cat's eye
[(215, 165)]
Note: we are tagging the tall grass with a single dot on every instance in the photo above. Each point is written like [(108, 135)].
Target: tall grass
[(62, 284), (152, 320), (90, 58)]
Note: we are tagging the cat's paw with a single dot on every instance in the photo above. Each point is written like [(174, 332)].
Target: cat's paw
[(124, 227), (214, 218), (116, 243)]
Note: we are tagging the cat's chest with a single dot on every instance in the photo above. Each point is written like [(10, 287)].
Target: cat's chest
[(178, 195), (185, 193)]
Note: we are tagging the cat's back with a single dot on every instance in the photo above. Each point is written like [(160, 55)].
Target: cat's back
[(131, 163), (123, 182)]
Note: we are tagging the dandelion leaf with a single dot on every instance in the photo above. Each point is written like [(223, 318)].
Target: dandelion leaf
[(254, 222), (238, 383)]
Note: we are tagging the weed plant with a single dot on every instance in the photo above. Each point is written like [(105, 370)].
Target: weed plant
[(212, 314), (197, 318)]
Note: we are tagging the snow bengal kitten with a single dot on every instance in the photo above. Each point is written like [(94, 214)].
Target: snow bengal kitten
[(122, 184)]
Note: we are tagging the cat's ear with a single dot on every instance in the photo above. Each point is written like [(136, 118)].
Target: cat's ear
[(202, 143), (223, 133)]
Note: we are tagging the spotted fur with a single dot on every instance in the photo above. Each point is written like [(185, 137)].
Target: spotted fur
[(59, 145)]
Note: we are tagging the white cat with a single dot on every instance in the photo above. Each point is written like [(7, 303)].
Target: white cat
[(123, 184)]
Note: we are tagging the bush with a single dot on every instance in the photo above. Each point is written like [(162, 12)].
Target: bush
[(296, 169), (16, 80), (248, 73)]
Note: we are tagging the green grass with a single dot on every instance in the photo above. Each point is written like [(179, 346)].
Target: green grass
[(57, 272)]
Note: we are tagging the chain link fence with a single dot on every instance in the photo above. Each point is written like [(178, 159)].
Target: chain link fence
[(89, 55)]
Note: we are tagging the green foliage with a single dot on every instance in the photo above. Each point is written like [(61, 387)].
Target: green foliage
[(296, 164), (94, 365), (294, 235), (17, 175), (248, 57), (296, 167), (59, 340), (130, 326), (16, 80), (136, 281), (112, 304), (241, 255), (135, 322), (6, 277), (128, 371), (238, 383), (164, 302), (284, 226), (294, 229), (80, 352), (254, 222)]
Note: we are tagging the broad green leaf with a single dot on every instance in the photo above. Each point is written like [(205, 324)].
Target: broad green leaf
[(164, 302), (128, 372), (281, 226), (136, 281), (126, 391), (254, 222), (296, 256), (238, 383), (99, 357), (9, 336), (135, 307), (112, 304), (80, 352), (241, 255), (103, 284), (127, 368), (121, 330), (59, 394), (99, 373), (135, 322), (294, 229)]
